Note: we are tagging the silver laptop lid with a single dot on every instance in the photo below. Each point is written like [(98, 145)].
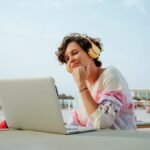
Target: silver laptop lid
[(31, 104)]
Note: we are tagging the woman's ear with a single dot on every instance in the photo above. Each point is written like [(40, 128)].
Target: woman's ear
[(68, 68)]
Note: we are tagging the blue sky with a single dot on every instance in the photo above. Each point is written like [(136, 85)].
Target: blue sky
[(31, 31)]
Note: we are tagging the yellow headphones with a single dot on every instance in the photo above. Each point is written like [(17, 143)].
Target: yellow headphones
[(93, 52)]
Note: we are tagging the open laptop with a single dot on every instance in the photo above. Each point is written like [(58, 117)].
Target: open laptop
[(32, 104)]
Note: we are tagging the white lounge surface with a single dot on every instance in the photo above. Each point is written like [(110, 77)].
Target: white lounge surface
[(103, 139)]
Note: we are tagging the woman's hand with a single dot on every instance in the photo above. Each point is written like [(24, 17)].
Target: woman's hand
[(80, 74)]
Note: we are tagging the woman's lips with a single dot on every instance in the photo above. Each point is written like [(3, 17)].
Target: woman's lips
[(75, 65)]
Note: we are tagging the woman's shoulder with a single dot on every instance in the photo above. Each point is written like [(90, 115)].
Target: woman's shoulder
[(111, 70), (114, 75), (113, 79), (111, 74)]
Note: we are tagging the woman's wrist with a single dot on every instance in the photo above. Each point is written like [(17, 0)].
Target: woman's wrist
[(83, 89), (82, 86)]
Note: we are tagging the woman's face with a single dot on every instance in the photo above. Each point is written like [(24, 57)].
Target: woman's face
[(75, 56)]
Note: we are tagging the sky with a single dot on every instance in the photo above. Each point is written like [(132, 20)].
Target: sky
[(31, 31)]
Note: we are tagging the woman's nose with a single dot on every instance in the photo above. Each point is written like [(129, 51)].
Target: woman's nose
[(71, 60)]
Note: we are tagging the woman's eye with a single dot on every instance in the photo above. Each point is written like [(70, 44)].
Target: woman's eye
[(72, 54), (75, 52)]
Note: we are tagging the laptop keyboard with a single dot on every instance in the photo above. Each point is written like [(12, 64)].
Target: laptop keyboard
[(68, 128)]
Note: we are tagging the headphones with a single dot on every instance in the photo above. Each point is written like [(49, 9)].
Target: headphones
[(93, 52)]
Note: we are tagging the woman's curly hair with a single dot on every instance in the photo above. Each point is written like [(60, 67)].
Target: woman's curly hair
[(82, 41)]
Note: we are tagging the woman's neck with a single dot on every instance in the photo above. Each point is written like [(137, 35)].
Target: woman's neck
[(94, 75)]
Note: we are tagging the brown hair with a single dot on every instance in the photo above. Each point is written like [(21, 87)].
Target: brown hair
[(81, 40)]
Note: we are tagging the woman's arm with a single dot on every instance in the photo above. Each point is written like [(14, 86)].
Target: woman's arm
[(104, 116), (89, 104)]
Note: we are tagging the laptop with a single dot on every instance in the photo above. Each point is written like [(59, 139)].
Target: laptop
[(33, 104)]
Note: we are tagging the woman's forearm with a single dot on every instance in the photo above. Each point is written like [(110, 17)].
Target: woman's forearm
[(89, 103)]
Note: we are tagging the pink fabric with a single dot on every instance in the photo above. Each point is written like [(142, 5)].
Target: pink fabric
[(106, 95), (99, 98), (89, 124), (130, 106), (76, 119)]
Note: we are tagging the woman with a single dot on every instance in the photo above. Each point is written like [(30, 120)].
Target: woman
[(104, 92)]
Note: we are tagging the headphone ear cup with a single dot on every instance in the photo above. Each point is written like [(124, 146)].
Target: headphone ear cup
[(92, 54), (68, 68), (94, 51)]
